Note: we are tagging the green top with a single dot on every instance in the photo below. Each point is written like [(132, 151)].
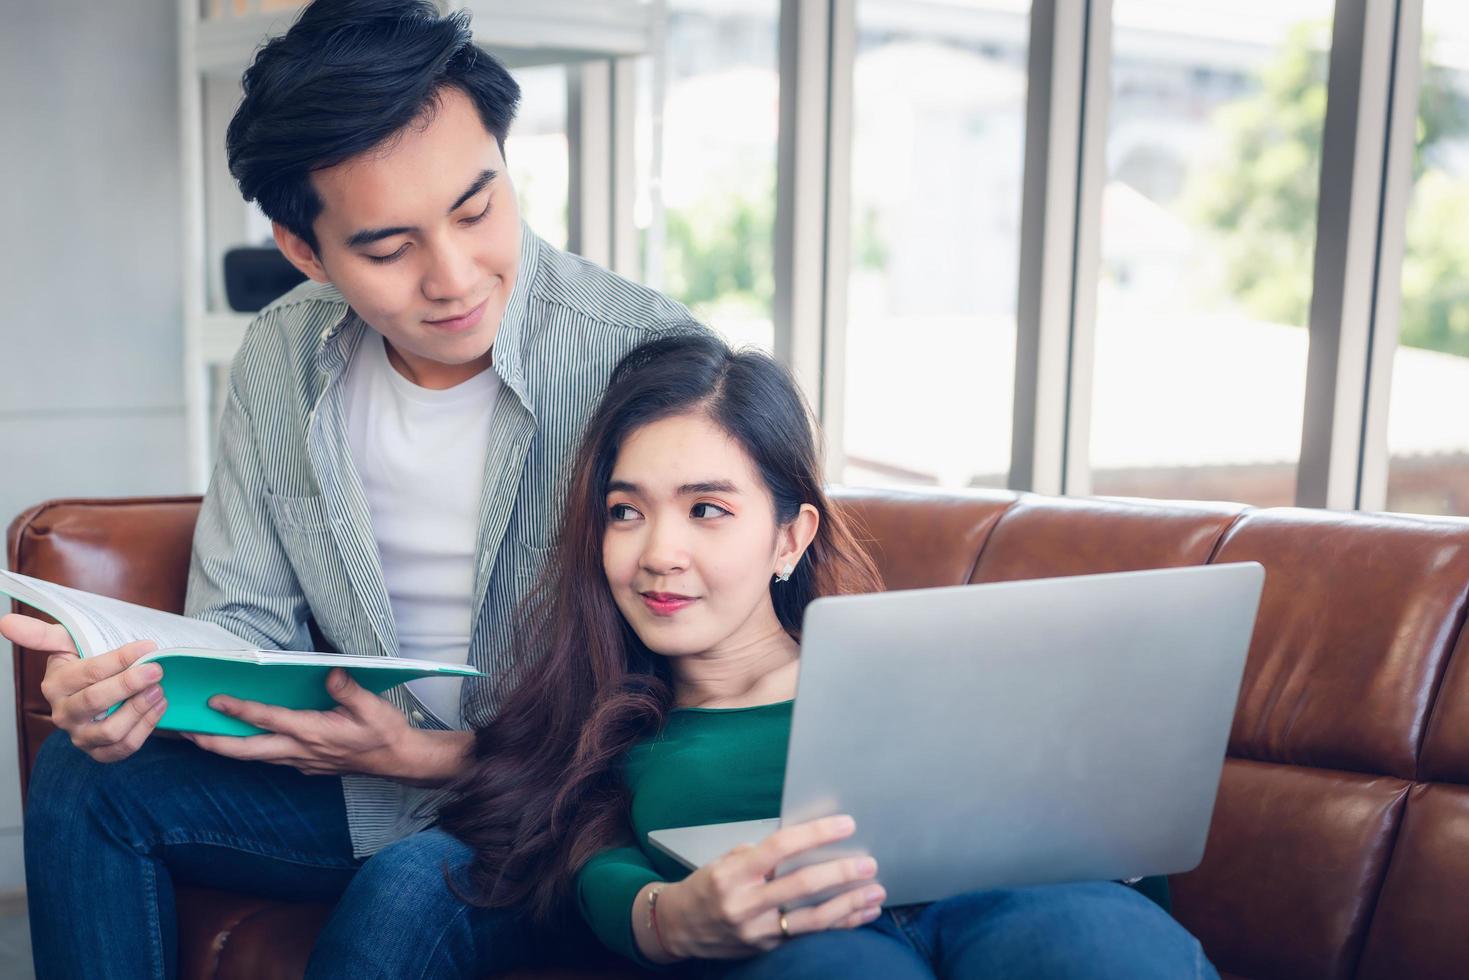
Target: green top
[(708, 765)]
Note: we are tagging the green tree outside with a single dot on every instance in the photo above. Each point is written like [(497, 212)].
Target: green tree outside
[(1260, 196), (719, 252)]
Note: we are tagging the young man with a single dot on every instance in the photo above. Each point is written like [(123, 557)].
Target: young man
[(386, 480)]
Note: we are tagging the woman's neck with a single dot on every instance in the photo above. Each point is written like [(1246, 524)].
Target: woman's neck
[(760, 671)]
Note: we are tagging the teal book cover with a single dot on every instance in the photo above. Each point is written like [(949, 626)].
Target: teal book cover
[(201, 659)]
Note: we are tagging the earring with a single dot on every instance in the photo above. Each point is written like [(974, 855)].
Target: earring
[(785, 573)]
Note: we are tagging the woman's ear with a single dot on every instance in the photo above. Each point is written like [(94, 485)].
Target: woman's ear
[(795, 538), (298, 252)]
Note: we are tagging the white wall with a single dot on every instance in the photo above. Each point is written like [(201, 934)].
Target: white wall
[(91, 379)]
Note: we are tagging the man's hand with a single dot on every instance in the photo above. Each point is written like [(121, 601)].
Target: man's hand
[(363, 734), (80, 691)]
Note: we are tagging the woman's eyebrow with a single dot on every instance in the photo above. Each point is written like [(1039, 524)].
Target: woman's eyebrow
[(708, 486), (685, 490)]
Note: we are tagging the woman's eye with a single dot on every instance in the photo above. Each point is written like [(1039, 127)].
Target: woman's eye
[(383, 259), (623, 512), (706, 511)]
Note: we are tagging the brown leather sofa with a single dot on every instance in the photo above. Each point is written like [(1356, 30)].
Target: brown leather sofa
[(1340, 842)]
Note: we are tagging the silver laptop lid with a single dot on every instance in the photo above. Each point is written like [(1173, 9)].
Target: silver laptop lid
[(1022, 733)]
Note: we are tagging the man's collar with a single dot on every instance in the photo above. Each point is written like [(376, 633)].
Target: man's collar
[(329, 342), (514, 333)]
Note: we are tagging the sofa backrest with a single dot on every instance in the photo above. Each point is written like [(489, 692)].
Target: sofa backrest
[(1340, 841)]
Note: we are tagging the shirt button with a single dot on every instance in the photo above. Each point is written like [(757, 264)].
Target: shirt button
[(417, 716)]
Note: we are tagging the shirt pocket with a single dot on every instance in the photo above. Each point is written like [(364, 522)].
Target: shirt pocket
[(303, 526), (306, 515), (530, 561)]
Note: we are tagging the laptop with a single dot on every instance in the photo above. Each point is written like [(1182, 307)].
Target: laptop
[(1021, 733)]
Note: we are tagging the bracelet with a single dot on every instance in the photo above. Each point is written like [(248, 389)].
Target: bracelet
[(653, 894)]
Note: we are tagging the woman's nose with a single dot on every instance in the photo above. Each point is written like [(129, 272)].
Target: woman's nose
[(664, 551)]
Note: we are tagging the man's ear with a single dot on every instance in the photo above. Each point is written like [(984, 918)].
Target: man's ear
[(298, 252)]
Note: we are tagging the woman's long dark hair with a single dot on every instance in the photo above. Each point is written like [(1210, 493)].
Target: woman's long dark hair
[(544, 791)]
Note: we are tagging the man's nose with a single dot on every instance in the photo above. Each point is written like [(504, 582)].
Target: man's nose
[(451, 275)]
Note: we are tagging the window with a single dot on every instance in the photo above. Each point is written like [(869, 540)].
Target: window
[(705, 204), (536, 152), (1208, 235), (937, 153), (1428, 417)]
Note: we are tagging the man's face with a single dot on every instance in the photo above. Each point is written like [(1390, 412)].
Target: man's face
[(422, 237)]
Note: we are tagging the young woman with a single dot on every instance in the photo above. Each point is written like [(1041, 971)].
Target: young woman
[(668, 626)]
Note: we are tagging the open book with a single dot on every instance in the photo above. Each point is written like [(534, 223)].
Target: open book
[(201, 659)]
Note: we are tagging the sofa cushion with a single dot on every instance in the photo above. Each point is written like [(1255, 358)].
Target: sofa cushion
[(1446, 744), (1043, 537), (1425, 882), (920, 540), (1356, 622), (1292, 865)]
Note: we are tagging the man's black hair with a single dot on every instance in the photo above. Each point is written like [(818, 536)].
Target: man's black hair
[(346, 77)]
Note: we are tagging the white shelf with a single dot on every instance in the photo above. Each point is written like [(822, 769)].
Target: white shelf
[(220, 335), (590, 28), (523, 34)]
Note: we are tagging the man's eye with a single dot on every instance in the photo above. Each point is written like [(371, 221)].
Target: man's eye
[(623, 512), (479, 217), (384, 259), (706, 510)]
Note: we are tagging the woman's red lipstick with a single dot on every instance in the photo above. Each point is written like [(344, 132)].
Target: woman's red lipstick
[(666, 603)]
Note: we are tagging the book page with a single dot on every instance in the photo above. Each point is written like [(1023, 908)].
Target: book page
[(353, 661), (100, 624)]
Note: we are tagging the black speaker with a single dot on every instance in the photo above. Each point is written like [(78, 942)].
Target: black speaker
[(255, 275)]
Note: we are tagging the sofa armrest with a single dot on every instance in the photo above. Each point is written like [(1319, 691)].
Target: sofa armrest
[(135, 549)]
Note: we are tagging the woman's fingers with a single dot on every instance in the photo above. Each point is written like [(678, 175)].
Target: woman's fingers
[(790, 889), (859, 918), (857, 906), (790, 841), (736, 906)]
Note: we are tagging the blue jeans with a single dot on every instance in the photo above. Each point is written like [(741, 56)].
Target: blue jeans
[(106, 844), (1096, 931)]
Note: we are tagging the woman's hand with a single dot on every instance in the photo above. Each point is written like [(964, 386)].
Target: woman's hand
[(733, 907)]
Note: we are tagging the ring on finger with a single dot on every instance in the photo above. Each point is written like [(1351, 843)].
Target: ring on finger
[(785, 926)]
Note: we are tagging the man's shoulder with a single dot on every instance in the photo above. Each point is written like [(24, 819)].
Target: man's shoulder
[(581, 288), (304, 313), (279, 347), (304, 298), (294, 323)]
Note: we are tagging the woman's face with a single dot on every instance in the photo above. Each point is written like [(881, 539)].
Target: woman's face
[(691, 540)]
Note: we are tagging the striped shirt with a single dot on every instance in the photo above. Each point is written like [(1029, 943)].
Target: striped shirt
[(284, 554)]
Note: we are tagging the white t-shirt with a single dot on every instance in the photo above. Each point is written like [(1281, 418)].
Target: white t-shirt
[(420, 455)]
